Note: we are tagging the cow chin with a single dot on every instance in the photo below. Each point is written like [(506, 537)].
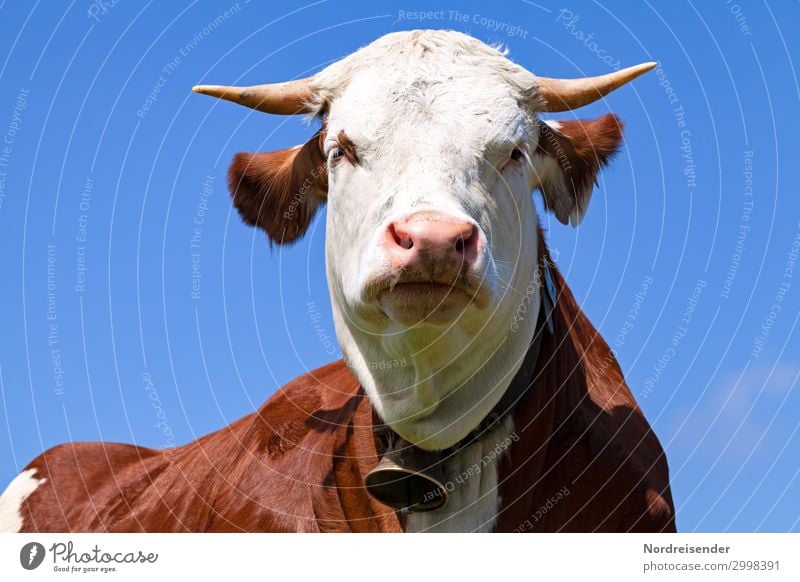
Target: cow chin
[(416, 304)]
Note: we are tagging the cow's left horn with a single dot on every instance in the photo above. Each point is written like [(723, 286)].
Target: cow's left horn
[(567, 94), (287, 98)]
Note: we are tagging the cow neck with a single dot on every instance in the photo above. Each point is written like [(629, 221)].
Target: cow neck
[(522, 379)]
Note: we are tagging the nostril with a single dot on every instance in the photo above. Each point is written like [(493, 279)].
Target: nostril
[(401, 239), (466, 240)]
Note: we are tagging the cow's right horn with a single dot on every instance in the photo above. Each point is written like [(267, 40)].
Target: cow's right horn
[(289, 98)]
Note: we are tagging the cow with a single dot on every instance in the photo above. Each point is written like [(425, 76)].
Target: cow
[(510, 407)]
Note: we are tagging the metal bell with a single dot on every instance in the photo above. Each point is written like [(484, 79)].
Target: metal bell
[(408, 478)]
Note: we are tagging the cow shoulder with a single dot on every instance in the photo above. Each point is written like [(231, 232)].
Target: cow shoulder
[(623, 465), (320, 401), (304, 470)]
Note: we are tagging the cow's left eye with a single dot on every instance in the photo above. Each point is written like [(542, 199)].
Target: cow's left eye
[(516, 155)]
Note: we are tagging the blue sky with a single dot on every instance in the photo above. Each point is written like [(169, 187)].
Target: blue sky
[(113, 200)]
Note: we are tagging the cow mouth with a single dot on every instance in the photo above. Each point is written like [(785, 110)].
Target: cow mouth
[(423, 291), (413, 301)]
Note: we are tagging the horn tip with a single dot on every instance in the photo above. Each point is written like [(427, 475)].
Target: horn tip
[(644, 67), (636, 70), (218, 91)]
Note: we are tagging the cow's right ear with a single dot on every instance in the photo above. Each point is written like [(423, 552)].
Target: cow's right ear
[(280, 191)]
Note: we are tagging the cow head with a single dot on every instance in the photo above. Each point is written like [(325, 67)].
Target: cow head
[(429, 149)]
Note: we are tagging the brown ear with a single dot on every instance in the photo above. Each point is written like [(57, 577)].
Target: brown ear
[(568, 157), (280, 191)]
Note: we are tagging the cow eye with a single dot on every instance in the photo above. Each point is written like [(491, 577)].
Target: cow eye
[(336, 154), (516, 155)]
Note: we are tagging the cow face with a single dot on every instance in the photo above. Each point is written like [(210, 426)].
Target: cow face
[(429, 149)]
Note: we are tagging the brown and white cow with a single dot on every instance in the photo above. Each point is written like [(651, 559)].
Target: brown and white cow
[(429, 150)]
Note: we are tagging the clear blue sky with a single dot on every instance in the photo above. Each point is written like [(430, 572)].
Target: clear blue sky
[(110, 163)]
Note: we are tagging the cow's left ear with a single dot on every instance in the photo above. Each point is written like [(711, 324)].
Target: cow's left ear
[(568, 156), (280, 191)]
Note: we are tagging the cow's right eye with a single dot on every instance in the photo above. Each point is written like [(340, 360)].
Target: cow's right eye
[(336, 154)]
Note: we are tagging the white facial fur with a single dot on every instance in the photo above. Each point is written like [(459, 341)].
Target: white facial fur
[(435, 116)]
